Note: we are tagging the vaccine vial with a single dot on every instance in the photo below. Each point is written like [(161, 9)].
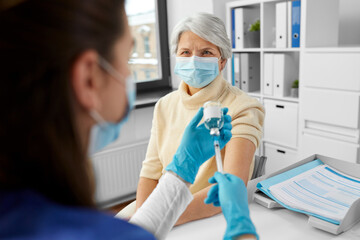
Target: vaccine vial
[(213, 117)]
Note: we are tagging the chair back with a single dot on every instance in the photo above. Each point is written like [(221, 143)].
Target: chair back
[(259, 168)]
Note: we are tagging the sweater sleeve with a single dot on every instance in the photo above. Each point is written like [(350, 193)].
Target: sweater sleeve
[(151, 166), (248, 121)]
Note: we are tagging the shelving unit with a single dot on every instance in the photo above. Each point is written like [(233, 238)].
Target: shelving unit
[(325, 118)]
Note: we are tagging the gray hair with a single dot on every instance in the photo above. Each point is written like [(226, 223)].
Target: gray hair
[(208, 27)]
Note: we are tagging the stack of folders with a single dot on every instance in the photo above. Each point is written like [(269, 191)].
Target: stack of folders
[(279, 74), (315, 189), (246, 71), (288, 24), (241, 18)]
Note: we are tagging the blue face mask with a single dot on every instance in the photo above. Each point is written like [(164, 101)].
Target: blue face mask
[(104, 133), (197, 72)]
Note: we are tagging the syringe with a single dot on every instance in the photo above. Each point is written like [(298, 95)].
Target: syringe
[(214, 120), (218, 155)]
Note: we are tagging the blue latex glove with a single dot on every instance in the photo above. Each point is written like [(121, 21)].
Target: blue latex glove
[(230, 193), (197, 146)]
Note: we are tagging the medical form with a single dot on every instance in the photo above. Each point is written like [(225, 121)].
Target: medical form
[(321, 191)]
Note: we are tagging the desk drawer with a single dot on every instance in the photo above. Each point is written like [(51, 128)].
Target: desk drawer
[(281, 122), (338, 71), (331, 107), (316, 144), (278, 157)]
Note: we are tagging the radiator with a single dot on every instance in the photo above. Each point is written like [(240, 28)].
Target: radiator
[(117, 173)]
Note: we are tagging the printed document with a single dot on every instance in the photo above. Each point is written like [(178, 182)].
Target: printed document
[(321, 190)]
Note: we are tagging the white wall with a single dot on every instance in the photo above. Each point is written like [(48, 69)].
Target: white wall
[(177, 10), (219, 8), (136, 129)]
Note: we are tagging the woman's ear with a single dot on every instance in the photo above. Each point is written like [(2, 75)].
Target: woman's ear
[(222, 64), (84, 76)]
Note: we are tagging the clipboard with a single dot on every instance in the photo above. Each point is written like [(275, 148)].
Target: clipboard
[(352, 216)]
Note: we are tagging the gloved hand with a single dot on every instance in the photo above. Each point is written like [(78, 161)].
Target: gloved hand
[(230, 193), (197, 146)]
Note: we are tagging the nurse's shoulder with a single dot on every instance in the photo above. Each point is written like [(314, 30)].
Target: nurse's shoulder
[(27, 215)]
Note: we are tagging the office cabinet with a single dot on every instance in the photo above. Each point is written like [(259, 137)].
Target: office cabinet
[(281, 122), (278, 157), (330, 91), (324, 145), (331, 107), (338, 71)]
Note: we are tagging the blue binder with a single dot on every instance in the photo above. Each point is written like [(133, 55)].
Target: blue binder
[(233, 27), (232, 71), (295, 32)]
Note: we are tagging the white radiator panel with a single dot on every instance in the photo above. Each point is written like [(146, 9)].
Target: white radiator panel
[(117, 171)]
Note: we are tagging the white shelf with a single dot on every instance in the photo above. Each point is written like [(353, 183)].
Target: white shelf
[(267, 50), (334, 49), (246, 50), (278, 144), (281, 49), (242, 3), (254, 94), (270, 1), (288, 99)]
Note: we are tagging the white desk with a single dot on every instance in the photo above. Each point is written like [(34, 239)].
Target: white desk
[(279, 224)]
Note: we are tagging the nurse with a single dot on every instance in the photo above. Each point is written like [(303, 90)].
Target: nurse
[(64, 80)]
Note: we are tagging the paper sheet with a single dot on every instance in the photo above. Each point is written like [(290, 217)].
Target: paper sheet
[(315, 189)]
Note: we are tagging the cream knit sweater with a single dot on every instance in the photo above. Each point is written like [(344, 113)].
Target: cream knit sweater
[(174, 111)]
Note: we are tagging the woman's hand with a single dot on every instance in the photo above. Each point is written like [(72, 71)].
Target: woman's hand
[(197, 146)]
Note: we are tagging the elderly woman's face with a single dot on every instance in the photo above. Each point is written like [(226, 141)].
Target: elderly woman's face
[(191, 44)]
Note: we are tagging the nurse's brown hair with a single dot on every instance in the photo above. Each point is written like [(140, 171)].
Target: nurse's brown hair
[(39, 144)]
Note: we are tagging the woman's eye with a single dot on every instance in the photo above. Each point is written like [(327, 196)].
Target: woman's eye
[(207, 53), (185, 52)]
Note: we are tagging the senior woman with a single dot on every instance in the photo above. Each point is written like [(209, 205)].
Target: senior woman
[(202, 48)]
